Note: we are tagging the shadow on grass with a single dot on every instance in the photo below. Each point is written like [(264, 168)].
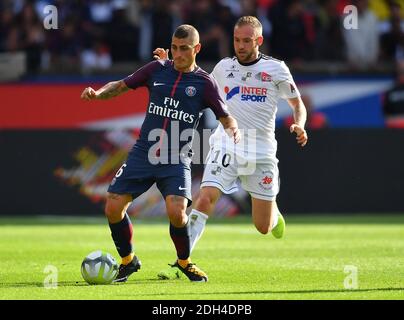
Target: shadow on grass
[(190, 295), (37, 284), (40, 284), (275, 292)]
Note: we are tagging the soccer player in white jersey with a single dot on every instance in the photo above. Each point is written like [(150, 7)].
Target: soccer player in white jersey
[(251, 85)]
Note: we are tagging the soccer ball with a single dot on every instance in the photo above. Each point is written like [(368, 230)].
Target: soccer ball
[(99, 267)]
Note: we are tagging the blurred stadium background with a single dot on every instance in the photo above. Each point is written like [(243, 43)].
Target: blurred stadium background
[(58, 154)]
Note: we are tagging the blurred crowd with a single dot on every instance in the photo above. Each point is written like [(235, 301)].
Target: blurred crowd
[(96, 33)]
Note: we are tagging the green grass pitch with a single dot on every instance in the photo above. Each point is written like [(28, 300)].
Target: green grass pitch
[(311, 262)]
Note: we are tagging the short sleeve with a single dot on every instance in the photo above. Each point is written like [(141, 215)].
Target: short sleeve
[(285, 83), (140, 77), (213, 100)]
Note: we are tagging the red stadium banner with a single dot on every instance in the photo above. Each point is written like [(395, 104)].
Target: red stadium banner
[(39, 106), (74, 168)]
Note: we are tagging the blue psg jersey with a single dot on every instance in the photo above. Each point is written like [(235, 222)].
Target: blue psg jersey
[(176, 101)]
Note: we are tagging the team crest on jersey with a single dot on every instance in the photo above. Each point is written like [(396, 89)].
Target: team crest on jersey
[(246, 76), (263, 76), (190, 91), (266, 183), (216, 171)]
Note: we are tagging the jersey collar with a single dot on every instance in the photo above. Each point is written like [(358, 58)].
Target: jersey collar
[(252, 62)]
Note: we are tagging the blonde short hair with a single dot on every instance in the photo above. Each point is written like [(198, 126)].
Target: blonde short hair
[(251, 21)]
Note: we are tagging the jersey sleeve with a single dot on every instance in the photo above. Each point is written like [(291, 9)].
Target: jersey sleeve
[(139, 78), (285, 83), (212, 99)]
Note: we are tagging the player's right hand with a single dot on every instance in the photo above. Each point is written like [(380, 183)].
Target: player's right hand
[(160, 53), (233, 132), (89, 94)]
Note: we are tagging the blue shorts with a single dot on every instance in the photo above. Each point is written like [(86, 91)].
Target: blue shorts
[(137, 175)]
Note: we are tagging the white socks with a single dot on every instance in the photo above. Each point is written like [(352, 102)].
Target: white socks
[(197, 226), (275, 222)]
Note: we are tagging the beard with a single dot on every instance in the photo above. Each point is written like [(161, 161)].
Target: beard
[(246, 58)]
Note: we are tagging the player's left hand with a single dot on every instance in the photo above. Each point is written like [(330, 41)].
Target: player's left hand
[(160, 53), (301, 134)]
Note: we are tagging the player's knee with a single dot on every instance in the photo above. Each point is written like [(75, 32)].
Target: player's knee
[(178, 218), (108, 211), (176, 211), (112, 212), (205, 202)]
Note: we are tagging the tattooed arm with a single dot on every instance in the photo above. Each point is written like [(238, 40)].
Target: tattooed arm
[(110, 90)]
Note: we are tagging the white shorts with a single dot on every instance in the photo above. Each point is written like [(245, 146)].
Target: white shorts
[(222, 172)]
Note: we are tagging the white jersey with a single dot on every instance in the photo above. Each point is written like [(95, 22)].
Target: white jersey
[(251, 92)]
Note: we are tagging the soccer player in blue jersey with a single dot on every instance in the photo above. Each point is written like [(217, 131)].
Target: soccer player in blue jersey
[(179, 91)]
